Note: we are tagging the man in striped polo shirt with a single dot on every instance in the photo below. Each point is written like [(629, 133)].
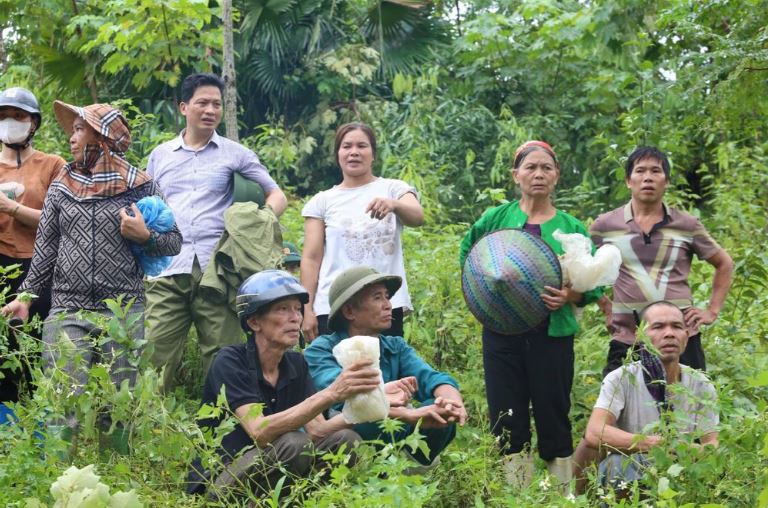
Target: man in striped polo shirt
[(657, 245)]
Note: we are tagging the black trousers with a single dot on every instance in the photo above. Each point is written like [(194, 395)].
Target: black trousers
[(693, 356), (529, 370), (9, 384), (396, 330)]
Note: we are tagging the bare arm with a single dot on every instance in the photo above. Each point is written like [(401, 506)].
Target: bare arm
[(277, 201), (265, 429), (311, 258), (358, 378), (319, 427), (711, 439), (26, 215), (721, 284), (602, 431), (407, 208)]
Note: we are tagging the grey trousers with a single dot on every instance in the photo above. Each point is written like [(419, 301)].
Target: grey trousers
[(259, 469), (74, 344)]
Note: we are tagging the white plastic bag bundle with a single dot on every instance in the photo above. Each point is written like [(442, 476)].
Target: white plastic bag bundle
[(582, 270), (363, 407)]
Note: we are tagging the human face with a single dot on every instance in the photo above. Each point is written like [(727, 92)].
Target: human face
[(82, 134), (280, 325), (647, 182), (537, 175), (203, 111), (15, 113), (665, 327), (372, 314), (355, 154)]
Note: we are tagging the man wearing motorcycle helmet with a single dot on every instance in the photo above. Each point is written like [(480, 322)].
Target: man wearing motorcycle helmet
[(270, 391)]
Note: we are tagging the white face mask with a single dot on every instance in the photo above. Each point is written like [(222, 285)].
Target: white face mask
[(13, 131)]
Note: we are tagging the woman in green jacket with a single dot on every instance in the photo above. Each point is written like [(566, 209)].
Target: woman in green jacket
[(534, 368)]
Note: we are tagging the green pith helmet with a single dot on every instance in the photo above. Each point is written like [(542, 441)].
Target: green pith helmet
[(291, 253), (247, 190), (352, 280)]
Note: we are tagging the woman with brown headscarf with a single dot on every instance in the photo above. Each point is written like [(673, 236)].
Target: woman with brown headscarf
[(83, 247)]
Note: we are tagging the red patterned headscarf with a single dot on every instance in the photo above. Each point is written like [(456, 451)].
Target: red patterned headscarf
[(528, 147), (103, 172)]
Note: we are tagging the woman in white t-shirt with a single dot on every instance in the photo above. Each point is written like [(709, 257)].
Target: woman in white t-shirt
[(357, 222)]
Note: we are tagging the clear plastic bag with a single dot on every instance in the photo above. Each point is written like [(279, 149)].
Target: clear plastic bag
[(363, 407), (581, 269)]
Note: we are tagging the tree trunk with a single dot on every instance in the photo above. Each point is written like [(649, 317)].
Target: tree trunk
[(230, 89)]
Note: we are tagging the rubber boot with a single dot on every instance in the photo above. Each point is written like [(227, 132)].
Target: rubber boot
[(518, 469), (562, 469)]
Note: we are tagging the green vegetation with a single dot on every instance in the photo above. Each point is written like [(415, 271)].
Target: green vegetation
[(451, 89)]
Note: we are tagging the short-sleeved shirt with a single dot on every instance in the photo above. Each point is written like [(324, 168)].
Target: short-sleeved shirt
[(693, 399), (654, 266), (230, 370), (198, 186), (353, 238), (17, 240)]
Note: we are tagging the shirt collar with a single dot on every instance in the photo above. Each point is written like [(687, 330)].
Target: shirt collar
[(285, 368), (178, 142), (629, 215)]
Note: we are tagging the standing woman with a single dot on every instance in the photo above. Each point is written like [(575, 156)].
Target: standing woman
[(25, 175), (357, 222), (83, 244), (534, 368)]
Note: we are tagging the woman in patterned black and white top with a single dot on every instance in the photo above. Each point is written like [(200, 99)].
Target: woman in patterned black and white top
[(357, 222), (83, 249)]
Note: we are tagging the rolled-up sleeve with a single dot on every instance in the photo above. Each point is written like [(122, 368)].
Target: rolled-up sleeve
[(251, 168)]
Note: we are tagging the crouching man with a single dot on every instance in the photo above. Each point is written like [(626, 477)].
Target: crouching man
[(271, 392), (625, 421), (360, 305)]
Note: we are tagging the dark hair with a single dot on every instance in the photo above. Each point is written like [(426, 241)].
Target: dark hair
[(349, 127), (640, 316), (525, 152), (195, 81), (646, 152)]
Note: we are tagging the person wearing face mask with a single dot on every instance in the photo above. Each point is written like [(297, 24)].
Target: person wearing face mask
[(25, 175), (83, 247)]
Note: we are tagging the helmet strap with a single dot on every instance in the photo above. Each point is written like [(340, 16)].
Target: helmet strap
[(19, 147)]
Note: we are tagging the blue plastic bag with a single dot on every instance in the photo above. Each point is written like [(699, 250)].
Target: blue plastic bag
[(158, 217)]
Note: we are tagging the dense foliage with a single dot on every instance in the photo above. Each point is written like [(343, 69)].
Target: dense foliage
[(451, 89)]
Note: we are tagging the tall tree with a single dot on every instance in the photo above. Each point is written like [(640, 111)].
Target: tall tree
[(230, 83)]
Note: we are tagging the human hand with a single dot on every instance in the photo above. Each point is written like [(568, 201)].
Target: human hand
[(649, 442), (559, 297), (309, 324), (400, 391), (431, 416), (133, 228), (7, 205), (16, 308), (454, 407), (360, 377), (695, 317), (379, 208)]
